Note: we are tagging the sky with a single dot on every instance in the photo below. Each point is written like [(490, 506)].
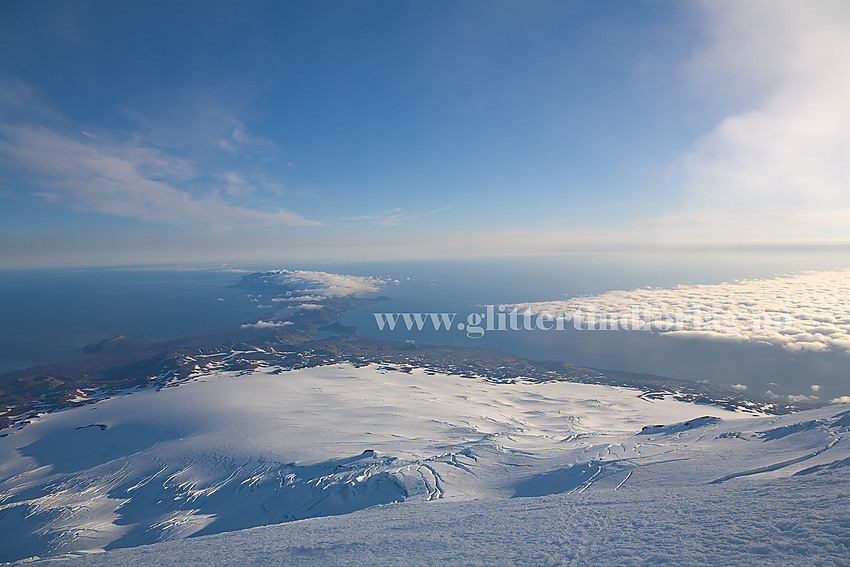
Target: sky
[(209, 132)]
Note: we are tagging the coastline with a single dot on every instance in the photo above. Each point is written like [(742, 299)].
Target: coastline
[(117, 366)]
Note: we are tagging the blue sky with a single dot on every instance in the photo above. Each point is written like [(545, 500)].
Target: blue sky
[(207, 132)]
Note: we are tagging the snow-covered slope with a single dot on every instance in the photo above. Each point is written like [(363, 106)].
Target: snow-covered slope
[(429, 464)]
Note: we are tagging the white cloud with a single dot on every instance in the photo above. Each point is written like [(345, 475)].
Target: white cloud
[(233, 178), (779, 165), (840, 400), (266, 324), (815, 387), (313, 285), (296, 298), (803, 312), (126, 180), (235, 138), (797, 398), (740, 387)]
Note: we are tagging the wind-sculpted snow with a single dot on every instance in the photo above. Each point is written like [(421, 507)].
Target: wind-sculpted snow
[(808, 311), (233, 450), (787, 522)]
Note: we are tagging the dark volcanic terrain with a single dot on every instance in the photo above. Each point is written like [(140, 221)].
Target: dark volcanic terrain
[(116, 366)]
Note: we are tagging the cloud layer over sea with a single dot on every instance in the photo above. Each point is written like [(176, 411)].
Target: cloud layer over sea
[(809, 311)]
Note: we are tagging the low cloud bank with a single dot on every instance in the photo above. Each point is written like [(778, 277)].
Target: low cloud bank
[(809, 311), (307, 285), (266, 324)]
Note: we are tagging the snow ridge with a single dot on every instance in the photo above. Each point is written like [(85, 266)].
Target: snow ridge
[(236, 449)]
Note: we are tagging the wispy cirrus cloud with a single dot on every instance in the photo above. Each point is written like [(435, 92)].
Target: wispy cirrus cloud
[(126, 179), (395, 216)]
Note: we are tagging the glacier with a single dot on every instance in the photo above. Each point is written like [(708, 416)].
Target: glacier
[(346, 464)]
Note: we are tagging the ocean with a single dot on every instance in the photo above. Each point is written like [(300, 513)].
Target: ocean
[(48, 316)]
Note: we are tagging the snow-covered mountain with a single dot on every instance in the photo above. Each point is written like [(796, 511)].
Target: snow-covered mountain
[(389, 466)]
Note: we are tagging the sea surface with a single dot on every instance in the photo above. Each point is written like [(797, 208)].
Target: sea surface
[(762, 370), (48, 316)]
